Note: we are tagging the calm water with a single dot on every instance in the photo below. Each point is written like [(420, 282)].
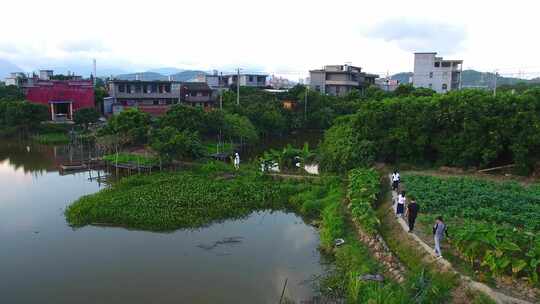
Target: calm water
[(43, 260)]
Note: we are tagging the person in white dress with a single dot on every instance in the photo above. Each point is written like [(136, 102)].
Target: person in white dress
[(236, 161)]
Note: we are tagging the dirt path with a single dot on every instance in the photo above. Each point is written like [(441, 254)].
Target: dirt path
[(430, 257)]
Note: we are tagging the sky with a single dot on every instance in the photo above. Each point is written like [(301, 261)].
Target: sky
[(282, 37)]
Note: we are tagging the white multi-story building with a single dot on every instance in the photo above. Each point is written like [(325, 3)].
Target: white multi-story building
[(436, 73), (15, 79), (339, 80)]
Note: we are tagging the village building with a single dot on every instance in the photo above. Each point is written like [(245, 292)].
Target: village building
[(62, 97)]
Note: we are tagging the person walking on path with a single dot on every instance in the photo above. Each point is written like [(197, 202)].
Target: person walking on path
[(439, 231), (400, 208), (236, 161), (412, 212), (395, 180)]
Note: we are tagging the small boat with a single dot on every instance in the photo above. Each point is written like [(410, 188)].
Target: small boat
[(69, 167)]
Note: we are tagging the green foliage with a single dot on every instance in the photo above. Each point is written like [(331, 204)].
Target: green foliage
[(333, 224), (342, 149), (51, 138), (172, 201), (10, 93), (362, 192), (494, 224), (463, 128), (129, 158), (429, 287), (287, 158), (21, 116), (470, 198), (100, 92), (182, 117), (173, 144), (86, 116), (240, 128), (131, 125)]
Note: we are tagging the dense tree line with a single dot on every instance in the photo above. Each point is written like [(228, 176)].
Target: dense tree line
[(21, 117), (179, 133), (465, 128)]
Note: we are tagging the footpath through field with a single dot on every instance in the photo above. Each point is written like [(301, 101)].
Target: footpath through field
[(447, 266)]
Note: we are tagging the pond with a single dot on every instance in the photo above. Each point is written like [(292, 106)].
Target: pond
[(42, 259)]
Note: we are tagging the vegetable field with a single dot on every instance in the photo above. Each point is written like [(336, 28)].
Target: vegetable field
[(494, 225), (468, 198)]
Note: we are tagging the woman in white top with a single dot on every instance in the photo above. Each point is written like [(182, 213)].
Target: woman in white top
[(400, 208), (395, 180)]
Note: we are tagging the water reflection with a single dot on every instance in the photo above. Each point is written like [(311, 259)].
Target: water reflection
[(43, 258)]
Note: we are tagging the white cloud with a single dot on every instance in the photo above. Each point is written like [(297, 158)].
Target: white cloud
[(285, 37), (421, 35)]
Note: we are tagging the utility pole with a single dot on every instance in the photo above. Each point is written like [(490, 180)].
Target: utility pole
[(238, 86)]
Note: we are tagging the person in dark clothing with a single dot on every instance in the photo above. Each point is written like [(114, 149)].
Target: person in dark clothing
[(412, 212)]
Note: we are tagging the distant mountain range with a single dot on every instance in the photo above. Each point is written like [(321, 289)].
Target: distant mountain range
[(187, 75), (472, 78), (166, 71)]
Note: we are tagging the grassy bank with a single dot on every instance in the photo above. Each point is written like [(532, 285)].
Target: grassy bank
[(123, 158), (51, 138)]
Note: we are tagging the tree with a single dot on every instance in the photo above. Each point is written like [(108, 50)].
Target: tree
[(171, 143), (11, 92), (99, 94), (86, 116), (404, 90), (237, 127), (184, 117), (22, 115), (131, 124), (342, 149)]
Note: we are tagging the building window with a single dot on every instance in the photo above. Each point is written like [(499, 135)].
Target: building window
[(121, 88), (437, 64), (160, 89), (250, 78), (430, 74), (145, 88), (444, 86), (153, 88), (156, 102), (446, 64), (167, 88), (137, 88), (430, 85), (128, 88)]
